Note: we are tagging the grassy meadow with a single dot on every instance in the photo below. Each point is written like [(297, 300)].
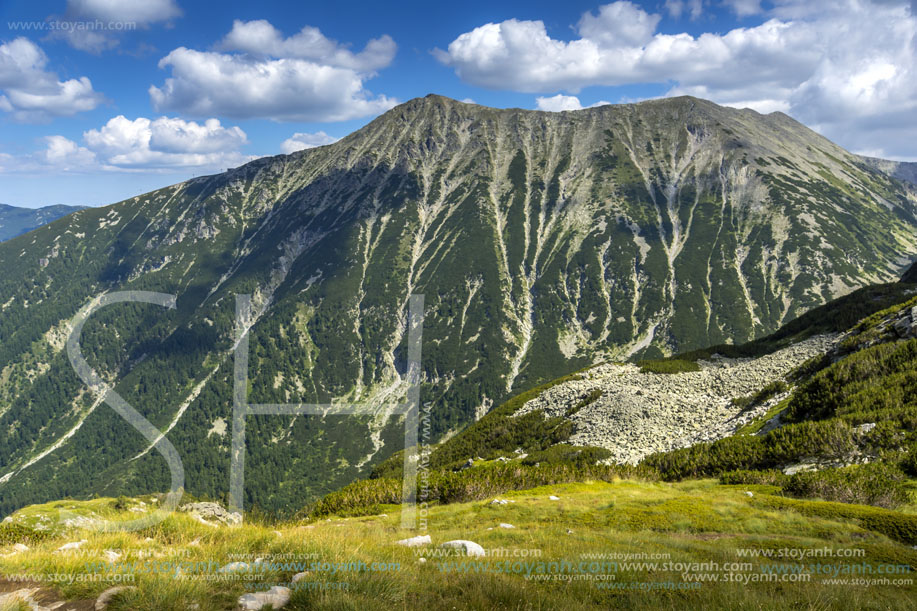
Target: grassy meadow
[(601, 544)]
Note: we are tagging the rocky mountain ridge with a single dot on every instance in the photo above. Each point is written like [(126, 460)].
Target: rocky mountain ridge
[(542, 242)]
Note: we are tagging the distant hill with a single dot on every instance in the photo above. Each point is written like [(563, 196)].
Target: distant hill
[(16, 221)]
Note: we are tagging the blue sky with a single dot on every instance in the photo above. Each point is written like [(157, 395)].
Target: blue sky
[(125, 96)]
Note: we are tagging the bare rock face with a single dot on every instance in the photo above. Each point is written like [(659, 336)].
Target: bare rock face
[(212, 514), (906, 325)]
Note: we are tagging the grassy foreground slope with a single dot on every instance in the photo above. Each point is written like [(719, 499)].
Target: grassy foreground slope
[(564, 532), (622, 544)]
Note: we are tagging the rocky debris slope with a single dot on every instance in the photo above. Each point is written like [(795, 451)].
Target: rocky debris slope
[(638, 413)]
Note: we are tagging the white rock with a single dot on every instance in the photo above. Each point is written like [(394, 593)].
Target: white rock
[(505, 525), (19, 548), (106, 596), (236, 567), (14, 599), (421, 560), (66, 547), (470, 548), (208, 513), (416, 541), (554, 498), (111, 555), (277, 597), (749, 493), (300, 576)]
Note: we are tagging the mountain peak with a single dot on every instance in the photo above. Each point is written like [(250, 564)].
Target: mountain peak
[(542, 242)]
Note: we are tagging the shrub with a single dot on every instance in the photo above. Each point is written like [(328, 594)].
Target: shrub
[(774, 388), (667, 366), (874, 484), (831, 439), (909, 463), (879, 377), (834, 317), (363, 497), (589, 399), (766, 477), (893, 524), (11, 532), (564, 453)]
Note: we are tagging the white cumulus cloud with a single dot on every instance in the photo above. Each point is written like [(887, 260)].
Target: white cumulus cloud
[(848, 68), (619, 24), (66, 154), (561, 102), (305, 77), (261, 39), (30, 92), (138, 145), (300, 141), (165, 142)]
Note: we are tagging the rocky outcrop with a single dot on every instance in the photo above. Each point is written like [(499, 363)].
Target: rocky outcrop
[(211, 514), (641, 413)]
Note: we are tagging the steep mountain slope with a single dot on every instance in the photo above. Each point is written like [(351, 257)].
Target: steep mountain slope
[(541, 241), (16, 221), (902, 170), (851, 402)]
